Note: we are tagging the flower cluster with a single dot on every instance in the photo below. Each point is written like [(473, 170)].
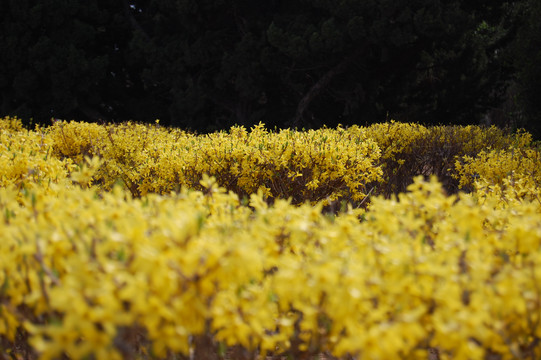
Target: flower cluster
[(26, 158), (514, 174)]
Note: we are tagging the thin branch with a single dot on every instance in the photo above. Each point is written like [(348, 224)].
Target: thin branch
[(366, 197)]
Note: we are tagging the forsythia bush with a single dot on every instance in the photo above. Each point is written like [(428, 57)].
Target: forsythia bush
[(26, 160), (88, 270), (497, 165), (409, 150), (307, 166)]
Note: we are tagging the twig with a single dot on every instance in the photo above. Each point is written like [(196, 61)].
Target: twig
[(366, 197)]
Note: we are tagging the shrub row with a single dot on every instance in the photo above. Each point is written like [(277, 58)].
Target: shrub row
[(112, 276), (94, 267), (306, 166)]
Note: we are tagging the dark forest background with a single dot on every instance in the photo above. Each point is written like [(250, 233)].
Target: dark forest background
[(208, 64)]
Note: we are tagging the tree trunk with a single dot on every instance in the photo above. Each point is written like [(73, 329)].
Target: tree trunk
[(322, 84), (243, 112)]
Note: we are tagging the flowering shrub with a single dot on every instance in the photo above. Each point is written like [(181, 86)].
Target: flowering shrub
[(409, 150), (307, 166), (92, 272), (26, 159)]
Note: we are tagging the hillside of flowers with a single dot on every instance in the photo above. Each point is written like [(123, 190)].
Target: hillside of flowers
[(393, 241)]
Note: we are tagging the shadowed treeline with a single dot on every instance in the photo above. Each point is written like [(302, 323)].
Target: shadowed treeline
[(206, 65)]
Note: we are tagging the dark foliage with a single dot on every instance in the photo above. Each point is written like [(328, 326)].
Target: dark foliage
[(208, 64), (525, 55)]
